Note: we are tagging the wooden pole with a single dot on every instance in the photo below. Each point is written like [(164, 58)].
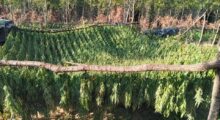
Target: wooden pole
[(216, 34), (203, 27), (215, 101), (194, 23), (108, 68)]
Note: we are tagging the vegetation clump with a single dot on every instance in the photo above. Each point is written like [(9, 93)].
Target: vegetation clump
[(26, 91)]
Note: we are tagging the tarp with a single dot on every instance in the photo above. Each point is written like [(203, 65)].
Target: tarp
[(6, 23), (5, 26), (163, 32), (2, 35)]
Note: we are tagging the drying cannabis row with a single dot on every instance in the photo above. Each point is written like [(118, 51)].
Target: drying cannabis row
[(174, 94), (68, 46), (26, 91)]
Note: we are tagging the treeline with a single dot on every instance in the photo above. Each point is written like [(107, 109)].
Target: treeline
[(69, 11)]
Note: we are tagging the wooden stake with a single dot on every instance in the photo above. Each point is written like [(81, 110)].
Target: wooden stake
[(203, 27), (216, 34)]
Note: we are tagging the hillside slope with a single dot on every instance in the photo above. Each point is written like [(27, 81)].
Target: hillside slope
[(119, 45)]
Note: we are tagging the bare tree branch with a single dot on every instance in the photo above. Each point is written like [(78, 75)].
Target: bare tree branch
[(120, 69)]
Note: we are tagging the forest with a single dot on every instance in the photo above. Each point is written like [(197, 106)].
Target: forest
[(110, 59), (107, 11)]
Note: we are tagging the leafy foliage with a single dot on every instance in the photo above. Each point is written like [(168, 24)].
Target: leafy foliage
[(173, 94)]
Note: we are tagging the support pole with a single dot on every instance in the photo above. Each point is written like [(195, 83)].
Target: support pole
[(215, 101), (203, 27)]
